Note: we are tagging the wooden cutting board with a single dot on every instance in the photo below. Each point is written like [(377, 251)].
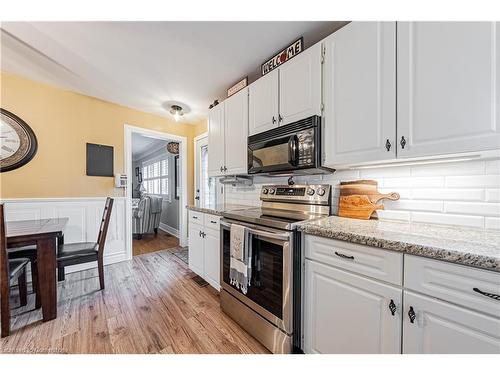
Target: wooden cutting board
[(366, 188), (357, 206)]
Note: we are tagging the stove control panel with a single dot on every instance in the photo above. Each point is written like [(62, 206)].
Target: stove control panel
[(314, 194)]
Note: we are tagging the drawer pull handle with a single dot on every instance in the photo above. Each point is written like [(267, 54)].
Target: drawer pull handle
[(491, 295), (213, 222), (344, 256), (411, 315), (195, 217), (392, 307)]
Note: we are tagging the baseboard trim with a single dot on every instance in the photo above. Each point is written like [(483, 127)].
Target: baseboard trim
[(167, 228)]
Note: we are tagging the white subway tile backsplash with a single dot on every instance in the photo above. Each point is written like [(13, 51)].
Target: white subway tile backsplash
[(493, 195), (413, 182), (448, 219), (492, 223), (414, 205), (448, 194), (483, 209), (493, 167), (463, 193), (449, 169), (484, 181)]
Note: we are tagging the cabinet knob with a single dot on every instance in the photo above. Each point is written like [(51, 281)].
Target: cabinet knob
[(402, 142), (280, 119), (221, 169), (388, 145), (392, 307), (225, 168), (274, 120), (411, 315)]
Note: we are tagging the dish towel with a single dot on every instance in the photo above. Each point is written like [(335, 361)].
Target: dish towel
[(240, 268)]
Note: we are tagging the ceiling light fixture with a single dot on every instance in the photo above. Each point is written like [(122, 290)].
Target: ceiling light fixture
[(176, 111)]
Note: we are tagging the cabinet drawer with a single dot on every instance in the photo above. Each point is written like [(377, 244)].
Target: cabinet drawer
[(454, 283), (196, 218), (366, 260), (212, 222)]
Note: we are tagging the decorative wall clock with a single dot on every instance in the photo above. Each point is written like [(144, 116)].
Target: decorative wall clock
[(18, 142)]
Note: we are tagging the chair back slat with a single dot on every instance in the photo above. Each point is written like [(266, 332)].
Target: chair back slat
[(103, 228)]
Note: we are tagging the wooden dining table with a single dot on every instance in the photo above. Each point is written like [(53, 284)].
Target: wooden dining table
[(44, 233)]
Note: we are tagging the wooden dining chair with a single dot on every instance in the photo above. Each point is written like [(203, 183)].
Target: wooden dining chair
[(10, 269), (85, 252), (28, 252)]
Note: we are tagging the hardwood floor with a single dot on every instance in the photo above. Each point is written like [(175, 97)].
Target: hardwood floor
[(154, 242), (150, 305)]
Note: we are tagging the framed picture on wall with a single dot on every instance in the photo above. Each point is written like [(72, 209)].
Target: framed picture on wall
[(139, 177), (176, 176), (136, 171)]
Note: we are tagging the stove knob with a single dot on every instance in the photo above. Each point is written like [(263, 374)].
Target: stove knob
[(321, 192), (271, 191), (264, 191), (310, 191)]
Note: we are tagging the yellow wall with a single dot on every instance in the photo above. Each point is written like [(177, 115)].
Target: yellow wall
[(64, 122)]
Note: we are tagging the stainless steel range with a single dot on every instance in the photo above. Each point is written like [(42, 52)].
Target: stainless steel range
[(270, 310)]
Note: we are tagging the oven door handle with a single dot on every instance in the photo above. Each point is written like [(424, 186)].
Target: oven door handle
[(263, 233)]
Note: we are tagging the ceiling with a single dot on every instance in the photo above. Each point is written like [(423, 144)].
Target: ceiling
[(143, 145), (145, 64)]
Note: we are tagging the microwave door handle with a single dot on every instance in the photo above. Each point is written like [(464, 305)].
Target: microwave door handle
[(292, 150)]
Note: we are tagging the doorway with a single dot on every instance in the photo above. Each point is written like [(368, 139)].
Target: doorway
[(156, 192)]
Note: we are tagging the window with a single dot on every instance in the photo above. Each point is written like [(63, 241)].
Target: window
[(155, 176)]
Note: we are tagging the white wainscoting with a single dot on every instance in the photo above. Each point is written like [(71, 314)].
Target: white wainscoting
[(84, 215)]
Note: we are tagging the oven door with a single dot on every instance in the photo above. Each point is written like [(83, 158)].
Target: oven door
[(274, 155), (269, 293)]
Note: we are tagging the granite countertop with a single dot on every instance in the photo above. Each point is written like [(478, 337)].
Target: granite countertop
[(462, 245), (217, 209)]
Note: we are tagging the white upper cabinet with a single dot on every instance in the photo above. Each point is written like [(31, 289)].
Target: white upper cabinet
[(359, 88), (437, 327), (263, 103), (236, 133), (448, 87), (216, 141), (300, 86)]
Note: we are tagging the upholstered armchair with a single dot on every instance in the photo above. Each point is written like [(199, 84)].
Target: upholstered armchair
[(146, 216)]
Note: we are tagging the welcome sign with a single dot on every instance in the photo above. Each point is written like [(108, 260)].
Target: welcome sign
[(283, 56)]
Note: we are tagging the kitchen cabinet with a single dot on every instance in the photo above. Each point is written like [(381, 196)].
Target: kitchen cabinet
[(439, 327), (196, 249), (348, 313), (448, 87), (216, 154), (204, 247), (236, 133), (227, 136), (300, 86), (263, 103), (289, 93), (359, 88), (439, 307)]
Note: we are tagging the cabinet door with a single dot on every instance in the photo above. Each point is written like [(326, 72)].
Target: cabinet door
[(263, 103), (212, 258), (300, 86), (236, 133), (346, 313), (216, 141), (448, 87), (359, 83), (195, 250), (443, 328)]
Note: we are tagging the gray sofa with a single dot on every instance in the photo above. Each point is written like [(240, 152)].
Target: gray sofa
[(146, 216)]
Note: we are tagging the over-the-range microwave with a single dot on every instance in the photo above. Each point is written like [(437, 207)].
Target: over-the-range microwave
[(291, 149)]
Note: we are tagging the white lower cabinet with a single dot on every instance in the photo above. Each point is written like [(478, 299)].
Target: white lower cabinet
[(204, 248), (347, 313), (196, 249), (439, 327), (440, 307)]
